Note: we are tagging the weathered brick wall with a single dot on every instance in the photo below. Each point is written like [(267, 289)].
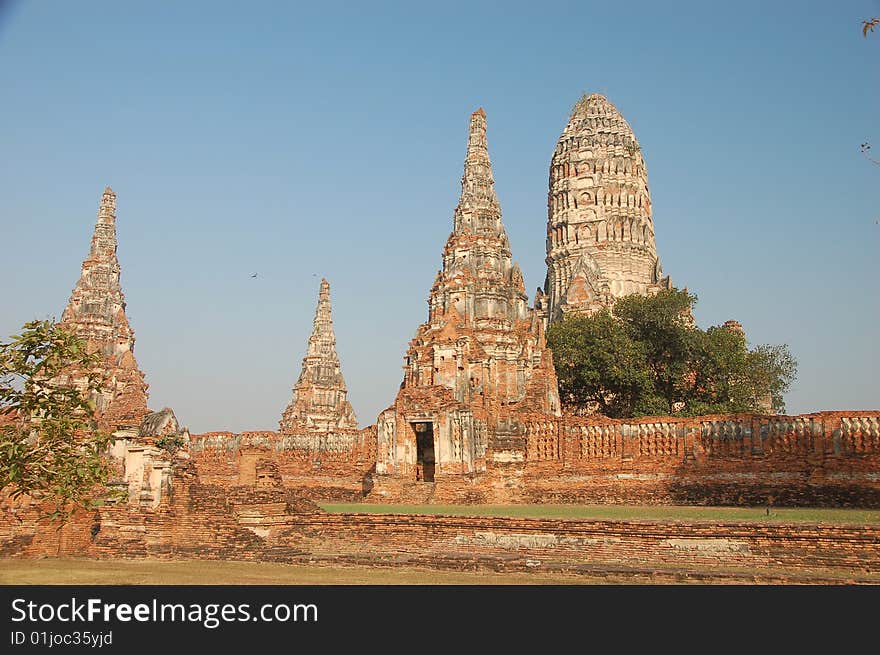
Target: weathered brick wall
[(25, 531), (474, 542), (822, 459), (228, 459), (269, 524)]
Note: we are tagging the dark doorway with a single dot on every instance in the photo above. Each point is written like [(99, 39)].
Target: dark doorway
[(424, 451)]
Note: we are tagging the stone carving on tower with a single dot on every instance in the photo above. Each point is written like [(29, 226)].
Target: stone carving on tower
[(480, 360), (319, 415), (600, 229), (96, 314)]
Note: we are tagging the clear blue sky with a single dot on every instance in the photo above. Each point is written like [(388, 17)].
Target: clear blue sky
[(327, 139)]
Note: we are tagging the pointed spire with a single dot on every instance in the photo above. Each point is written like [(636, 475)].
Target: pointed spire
[(107, 210), (95, 312), (319, 401), (321, 364), (478, 207), (96, 309), (478, 249), (103, 246), (323, 337)]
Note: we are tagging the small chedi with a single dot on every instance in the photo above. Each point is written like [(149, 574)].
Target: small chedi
[(600, 228), (318, 447), (96, 314), (319, 415), (480, 361)]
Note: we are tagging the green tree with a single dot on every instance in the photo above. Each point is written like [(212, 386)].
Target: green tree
[(50, 447), (599, 365), (646, 357), (719, 369), (770, 372), (663, 324)]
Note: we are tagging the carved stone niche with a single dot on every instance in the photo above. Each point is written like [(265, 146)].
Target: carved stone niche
[(148, 467)]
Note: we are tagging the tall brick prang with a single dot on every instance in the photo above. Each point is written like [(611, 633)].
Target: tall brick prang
[(481, 359), (319, 405), (600, 227), (96, 314)]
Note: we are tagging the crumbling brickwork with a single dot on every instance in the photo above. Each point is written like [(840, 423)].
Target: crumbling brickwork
[(319, 416), (96, 314), (335, 471), (481, 356), (267, 523), (477, 420), (827, 458)]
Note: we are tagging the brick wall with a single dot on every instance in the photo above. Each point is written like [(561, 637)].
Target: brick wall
[(202, 521), (228, 459), (822, 459)]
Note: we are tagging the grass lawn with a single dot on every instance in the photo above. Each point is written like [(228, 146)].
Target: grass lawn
[(657, 513)]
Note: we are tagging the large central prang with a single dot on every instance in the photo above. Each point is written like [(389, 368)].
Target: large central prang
[(600, 226), (480, 361)]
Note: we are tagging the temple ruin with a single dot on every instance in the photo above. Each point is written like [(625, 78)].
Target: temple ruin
[(477, 417), (96, 314), (600, 228), (480, 361), (318, 447), (319, 416)]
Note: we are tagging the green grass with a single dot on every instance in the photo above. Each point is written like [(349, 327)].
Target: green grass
[(625, 512)]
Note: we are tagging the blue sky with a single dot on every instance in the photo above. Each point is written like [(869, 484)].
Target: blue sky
[(327, 139)]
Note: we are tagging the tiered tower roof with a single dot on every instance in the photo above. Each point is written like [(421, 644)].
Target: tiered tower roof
[(600, 228), (480, 340), (480, 364), (478, 278), (96, 313), (319, 403)]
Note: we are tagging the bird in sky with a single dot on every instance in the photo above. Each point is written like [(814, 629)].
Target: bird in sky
[(254, 275)]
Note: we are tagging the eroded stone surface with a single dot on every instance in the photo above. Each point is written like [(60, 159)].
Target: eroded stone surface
[(319, 416), (480, 359), (96, 314), (600, 227), (201, 521)]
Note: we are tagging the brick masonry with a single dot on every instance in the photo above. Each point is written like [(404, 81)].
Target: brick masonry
[(264, 522), (826, 459), (477, 420), (96, 313)]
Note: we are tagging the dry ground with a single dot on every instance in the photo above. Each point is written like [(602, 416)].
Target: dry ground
[(119, 572), (202, 572)]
